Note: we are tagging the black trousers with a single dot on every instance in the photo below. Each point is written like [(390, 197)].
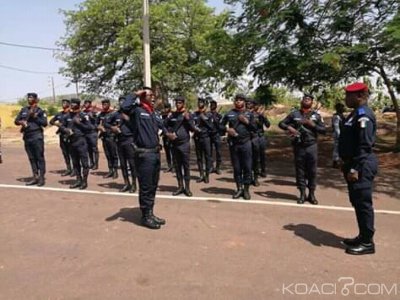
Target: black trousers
[(255, 145), (181, 156), (168, 150), (203, 153), (215, 140), (148, 171), (262, 141), (110, 150), (66, 151), (35, 150), (242, 161), (79, 154), (126, 157), (360, 194), (306, 159), (93, 151)]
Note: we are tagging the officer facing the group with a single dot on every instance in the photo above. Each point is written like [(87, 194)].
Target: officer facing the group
[(91, 136), (201, 138), (144, 126), (178, 126), (215, 136), (303, 126), (108, 138), (75, 126), (32, 120), (58, 120), (356, 143), (240, 125)]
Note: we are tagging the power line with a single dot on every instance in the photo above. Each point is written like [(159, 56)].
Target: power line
[(31, 47), (26, 71)]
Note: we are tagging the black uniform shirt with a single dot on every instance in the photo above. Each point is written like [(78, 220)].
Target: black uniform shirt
[(77, 123), (177, 124), (60, 116), (91, 116), (243, 130), (215, 119), (202, 123), (308, 134), (36, 119), (261, 121), (357, 137), (105, 119)]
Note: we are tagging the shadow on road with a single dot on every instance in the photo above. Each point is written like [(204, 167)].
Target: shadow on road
[(67, 181), (218, 191), (111, 185), (24, 179), (277, 195), (127, 214), (315, 236), (57, 171), (167, 188), (99, 173)]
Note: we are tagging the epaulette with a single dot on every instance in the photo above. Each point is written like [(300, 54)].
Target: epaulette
[(361, 111)]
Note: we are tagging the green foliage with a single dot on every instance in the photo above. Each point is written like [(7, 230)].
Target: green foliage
[(52, 110)]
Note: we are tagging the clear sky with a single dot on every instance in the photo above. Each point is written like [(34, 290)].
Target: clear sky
[(35, 23)]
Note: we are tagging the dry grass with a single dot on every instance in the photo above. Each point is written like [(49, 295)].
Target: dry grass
[(7, 119)]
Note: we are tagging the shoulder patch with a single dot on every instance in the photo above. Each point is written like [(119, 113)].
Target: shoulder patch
[(363, 122), (361, 111)]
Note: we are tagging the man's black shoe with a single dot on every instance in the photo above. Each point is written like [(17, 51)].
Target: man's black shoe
[(158, 220), (256, 182), (77, 184), (179, 191), (302, 197), (66, 172), (361, 249), (188, 193), (311, 198), (263, 174), (125, 188), (149, 222), (238, 193), (110, 174), (34, 181), (201, 179), (352, 242), (41, 181)]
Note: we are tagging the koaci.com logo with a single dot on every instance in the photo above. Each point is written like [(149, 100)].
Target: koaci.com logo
[(345, 286)]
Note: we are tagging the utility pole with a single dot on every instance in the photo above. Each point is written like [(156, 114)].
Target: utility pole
[(146, 44), (52, 87)]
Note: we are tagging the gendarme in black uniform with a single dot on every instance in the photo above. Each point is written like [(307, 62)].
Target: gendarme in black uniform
[(356, 143), (215, 136), (144, 126), (32, 119), (306, 124), (92, 135)]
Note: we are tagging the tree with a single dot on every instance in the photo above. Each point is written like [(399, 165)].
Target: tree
[(104, 39), (315, 44)]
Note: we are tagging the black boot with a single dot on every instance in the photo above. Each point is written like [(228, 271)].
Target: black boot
[(207, 177), (127, 185), (311, 198), (218, 169), (41, 180), (110, 173), (263, 174), (67, 172), (84, 184), (73, 173), (34, 180), (133, 186), (302, 196), (96, 161), (187, 189), (255, 181), (158, 220), (148, 221), (201, 178), (115, 174), (180, 189), (246, 193), (239, 192), (77, 183)]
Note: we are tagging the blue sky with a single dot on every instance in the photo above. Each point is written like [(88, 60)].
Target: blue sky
[(35, 23)]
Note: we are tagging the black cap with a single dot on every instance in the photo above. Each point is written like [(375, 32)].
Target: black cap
[(65, 100), (212, 101), (75, 101), (308, 95), (121, 98), (251, 100), (180, 98), (33, 95), (240, 96), (87, 101), (167, 105), (105, 101)]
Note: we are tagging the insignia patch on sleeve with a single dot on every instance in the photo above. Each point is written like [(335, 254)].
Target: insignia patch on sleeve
[(361, 111), (363, 122)]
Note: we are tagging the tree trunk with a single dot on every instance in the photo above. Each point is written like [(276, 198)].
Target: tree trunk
[(389, 86)]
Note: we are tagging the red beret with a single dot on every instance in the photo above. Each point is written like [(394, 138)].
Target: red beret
[(356, 87)]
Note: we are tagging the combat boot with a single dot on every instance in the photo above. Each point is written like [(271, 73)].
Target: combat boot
[(96, 161), (180, 189), (127, 186), (187, 189), (239, 192), (84, 183), (67, 172), (110, 173), (201, 178), (263, 174), (77, 183), (41, 180), (115, 173), (149, 222), (311, 198), (218, 169), (158, 220), (207, 177), (255, 181), (34, 180), (133, 186), (302, 196), (246, 193)]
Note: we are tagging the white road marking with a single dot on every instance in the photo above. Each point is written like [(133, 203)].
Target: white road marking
[(162, 196)]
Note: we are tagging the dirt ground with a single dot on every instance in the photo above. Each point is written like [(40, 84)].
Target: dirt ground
[(59, 244)]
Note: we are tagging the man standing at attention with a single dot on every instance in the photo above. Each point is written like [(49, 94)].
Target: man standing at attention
[(32, 120), (360, 165)]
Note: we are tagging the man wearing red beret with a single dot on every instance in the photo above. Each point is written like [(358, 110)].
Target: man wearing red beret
[(360, 165)]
